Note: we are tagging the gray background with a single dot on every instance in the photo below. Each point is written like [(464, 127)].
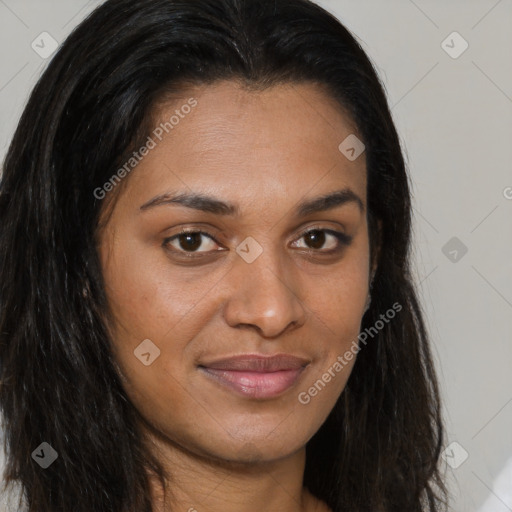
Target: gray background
[(454, 116)]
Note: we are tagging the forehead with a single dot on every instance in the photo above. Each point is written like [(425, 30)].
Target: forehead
[(277, 143)]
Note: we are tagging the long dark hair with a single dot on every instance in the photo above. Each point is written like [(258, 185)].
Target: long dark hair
[(379, 448)]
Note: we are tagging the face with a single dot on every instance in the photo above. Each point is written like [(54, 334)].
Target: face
[(219, 258)]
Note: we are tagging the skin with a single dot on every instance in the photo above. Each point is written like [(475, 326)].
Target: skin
[(265, 151)]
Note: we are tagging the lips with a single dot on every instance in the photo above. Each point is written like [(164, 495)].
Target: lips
[(256, 363), (256, 376)]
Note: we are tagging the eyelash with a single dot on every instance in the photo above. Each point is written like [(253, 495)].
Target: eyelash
[(343, 241)]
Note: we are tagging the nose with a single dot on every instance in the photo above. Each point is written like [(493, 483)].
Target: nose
[(265, 295)]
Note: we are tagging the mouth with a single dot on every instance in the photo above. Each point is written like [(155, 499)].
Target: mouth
[(255, 376)]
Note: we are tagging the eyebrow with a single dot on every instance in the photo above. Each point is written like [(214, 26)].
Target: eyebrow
[(216, 206)]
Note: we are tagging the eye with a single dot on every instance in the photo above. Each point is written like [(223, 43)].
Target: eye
[(188, 242), (316, 238)]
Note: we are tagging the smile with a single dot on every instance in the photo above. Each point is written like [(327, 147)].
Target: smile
[(255, 384), (256, 376)]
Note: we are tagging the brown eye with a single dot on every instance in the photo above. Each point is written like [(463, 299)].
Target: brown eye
[(315, 239), (189, 242)]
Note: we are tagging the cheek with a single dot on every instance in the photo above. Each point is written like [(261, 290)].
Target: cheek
[(151, 300), (338, 304), (149, 296)]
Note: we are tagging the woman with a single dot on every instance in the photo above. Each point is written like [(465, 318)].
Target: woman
[(195, 206)]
